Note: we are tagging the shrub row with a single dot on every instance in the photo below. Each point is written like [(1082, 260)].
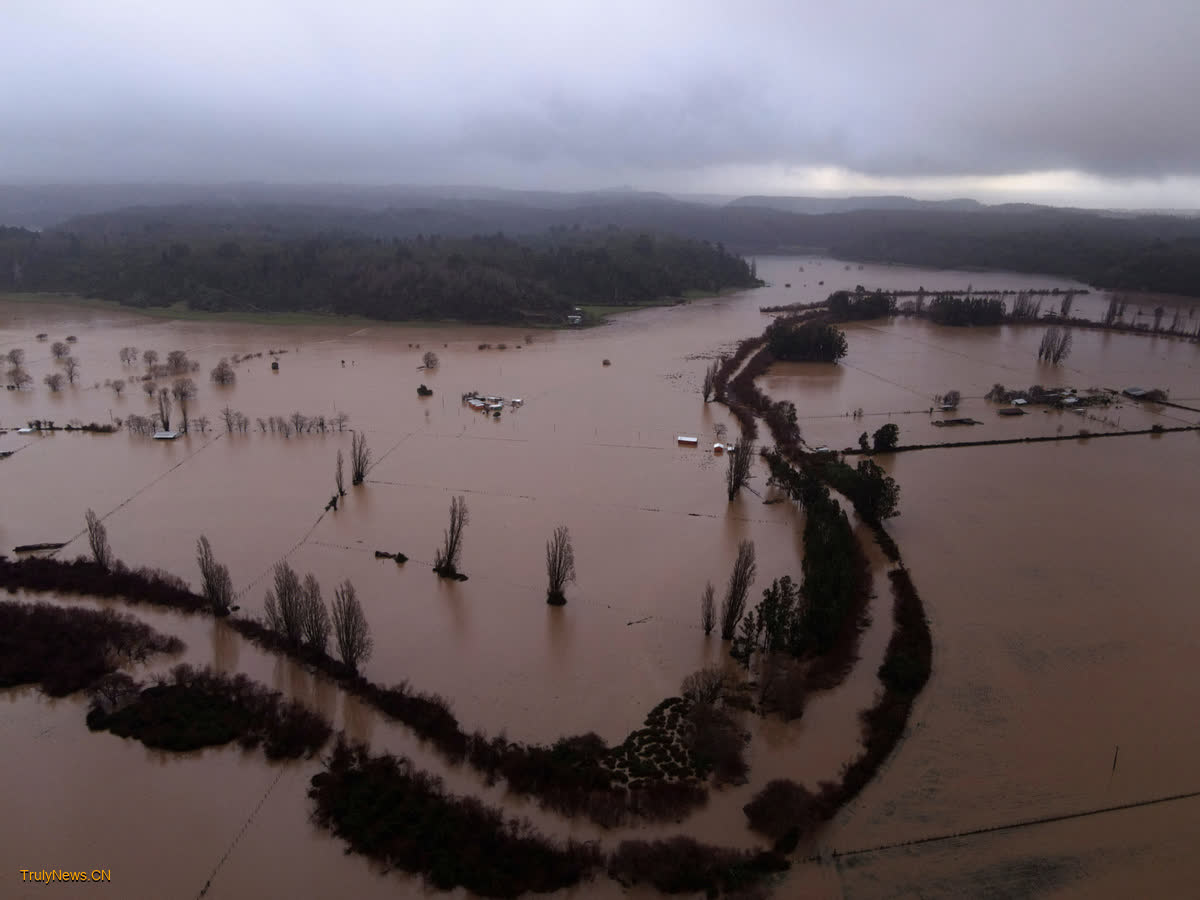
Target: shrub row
[(566, 776), (203, 708), (65, 650), (389, 811)]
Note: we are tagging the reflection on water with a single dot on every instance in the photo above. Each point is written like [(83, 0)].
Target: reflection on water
[(225, 644)]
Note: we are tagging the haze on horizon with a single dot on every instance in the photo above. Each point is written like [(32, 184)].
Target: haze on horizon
[(1051, 102)]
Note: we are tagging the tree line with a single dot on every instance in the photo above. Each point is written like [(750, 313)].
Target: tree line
[(492, 279)]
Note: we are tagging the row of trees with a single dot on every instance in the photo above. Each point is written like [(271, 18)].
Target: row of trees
[(296, 612), (733, 606)]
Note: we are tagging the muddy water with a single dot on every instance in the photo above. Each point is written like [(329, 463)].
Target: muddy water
[(594, 448)]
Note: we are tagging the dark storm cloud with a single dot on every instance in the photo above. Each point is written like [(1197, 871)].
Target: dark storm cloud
[(595, 92)]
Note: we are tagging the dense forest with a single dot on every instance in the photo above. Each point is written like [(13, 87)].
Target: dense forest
[(1152, 253), (491, 279)]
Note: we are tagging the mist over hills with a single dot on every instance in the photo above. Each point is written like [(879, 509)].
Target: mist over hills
[(1117, 249)]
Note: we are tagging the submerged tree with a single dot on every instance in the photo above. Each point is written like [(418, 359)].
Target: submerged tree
[(98, 540), (886, 438), (445, 562), (54, 381), (284, 605), (314, 618), (350, 630), (150, 358), (560, 565), (164, 409), (59, 350), (733, 607), (223, 373), (737, 474), (710, 380), (71, 367), (430, 360), (360, 457), (216, 585), (338, 477), (118, 386), (18, 377), (708, 610), (183, 390), (1055, 345)]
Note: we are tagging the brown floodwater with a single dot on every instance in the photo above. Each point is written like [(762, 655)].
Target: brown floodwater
[(1055, 576)]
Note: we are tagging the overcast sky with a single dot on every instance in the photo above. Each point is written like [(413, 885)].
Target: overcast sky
[(1088, 102)]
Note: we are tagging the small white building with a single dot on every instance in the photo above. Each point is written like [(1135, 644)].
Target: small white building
[(165, 435)]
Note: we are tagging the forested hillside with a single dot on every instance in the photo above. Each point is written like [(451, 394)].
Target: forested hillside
[(491, 279)]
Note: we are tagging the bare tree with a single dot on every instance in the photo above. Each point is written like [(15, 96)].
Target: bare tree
[(164, 409), (1064, 308), (59, 350), (118, 386), (560, 565), (223, 373), (430, 359), (98, 540), (230, 418), (149, 388), (733, 607), (283, 605), (113, 692), (18, 377), (314, 618), (202, 423), (360, 457), (150, 358), (350, 630), (737, 474), (339, 421), (15, 357), (183, 390), (217, 586), (178, 362), (299, 421), (1055, 345), (708, 610), (54, 381), (710, 380), (71, 367), (705, 685), (338, 477), (128, 355), (445, 562)]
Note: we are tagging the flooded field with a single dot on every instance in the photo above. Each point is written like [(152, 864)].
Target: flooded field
[(1055, 576)]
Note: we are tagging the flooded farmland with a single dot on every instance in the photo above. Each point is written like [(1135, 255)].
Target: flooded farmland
[(1055, 576)]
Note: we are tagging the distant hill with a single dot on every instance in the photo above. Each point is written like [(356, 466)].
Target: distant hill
[(1104, 248), (815, 206)]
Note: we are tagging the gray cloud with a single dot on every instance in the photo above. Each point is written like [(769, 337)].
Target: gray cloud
[(590, 93)]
